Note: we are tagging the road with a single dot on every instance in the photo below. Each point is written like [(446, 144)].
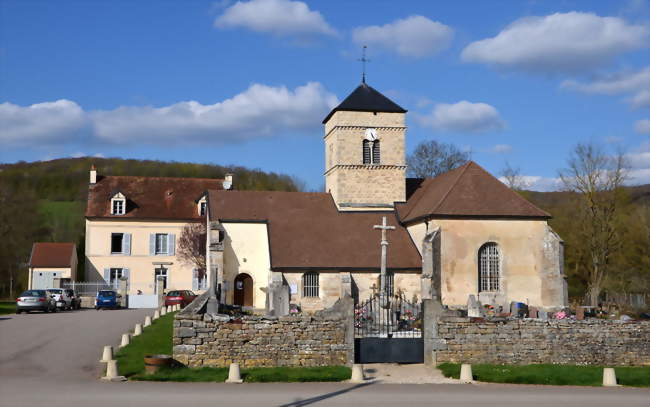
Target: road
[(51, 359)]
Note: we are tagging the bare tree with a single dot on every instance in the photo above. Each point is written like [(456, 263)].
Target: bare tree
[(431, 158), (191, 247), (597, 178), (511, 176)]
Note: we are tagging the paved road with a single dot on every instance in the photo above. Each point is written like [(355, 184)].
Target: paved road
[(51, 359)]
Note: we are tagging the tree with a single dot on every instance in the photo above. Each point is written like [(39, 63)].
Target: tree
[(511, 176), (431, 158), (597, 178), (191, 247)]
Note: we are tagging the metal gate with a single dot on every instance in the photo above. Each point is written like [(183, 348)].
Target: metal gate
[(388, 331)]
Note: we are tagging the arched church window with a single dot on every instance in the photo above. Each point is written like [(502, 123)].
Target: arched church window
[(376, 159), (488, 267), (367, 154), (310, 284)]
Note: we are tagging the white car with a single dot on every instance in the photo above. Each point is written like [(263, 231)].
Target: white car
[(63, 300)]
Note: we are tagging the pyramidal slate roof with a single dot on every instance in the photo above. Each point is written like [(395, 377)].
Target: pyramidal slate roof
[(365, 98), (467, 191)]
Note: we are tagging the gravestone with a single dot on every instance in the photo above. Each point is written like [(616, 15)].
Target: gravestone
[(543, 315), (473, 307), (278, 296)]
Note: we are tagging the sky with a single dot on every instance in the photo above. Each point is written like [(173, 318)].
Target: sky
[(249, 82)]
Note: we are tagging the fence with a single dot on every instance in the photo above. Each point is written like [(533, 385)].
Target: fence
[(90, 288)]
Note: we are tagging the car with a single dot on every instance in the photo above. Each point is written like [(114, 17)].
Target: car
[(182, 297), (63, 300), (75, 298), (107, 299), (36, 300)]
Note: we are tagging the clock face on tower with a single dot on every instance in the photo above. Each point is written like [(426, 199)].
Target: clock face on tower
[(371, 134)]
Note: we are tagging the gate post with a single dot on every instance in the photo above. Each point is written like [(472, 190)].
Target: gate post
[(348, 314), (123, 290), (431, 311)]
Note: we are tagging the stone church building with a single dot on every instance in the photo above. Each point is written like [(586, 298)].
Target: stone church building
[(483, 238)]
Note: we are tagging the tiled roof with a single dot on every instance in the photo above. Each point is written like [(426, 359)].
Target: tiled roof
[(52, 254), (149, 197), (366, 99), (307, 231), (466, 191)]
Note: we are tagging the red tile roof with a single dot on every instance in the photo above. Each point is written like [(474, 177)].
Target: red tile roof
[(307, 231), (149, 197), (52, 254), (467, 191)]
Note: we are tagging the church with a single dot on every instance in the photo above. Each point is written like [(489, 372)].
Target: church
[(479, 237)]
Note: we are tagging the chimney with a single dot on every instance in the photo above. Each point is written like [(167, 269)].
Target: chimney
[(93, 175), (227, 182)]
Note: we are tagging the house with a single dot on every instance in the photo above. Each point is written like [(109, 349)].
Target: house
[(491, 242), (51, 264), (133, 227)]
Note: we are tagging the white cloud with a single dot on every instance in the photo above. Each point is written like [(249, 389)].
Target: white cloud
[(415, 36), (501, 149), (639, 165), (641, 99), (463, 116), (622, 82), (40, 123), (642, 126), (277, 17), (561, 42), (537, 183), (78, 154)]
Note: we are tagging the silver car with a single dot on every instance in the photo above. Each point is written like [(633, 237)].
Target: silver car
[(36, 300)]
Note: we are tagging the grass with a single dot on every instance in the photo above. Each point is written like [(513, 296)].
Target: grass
[(558, 375), (157, 339), (7, 307)]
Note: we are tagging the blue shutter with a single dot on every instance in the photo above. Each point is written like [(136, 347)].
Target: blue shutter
[(126, 244), (126, 273), (195, 279), (107, 275), (152, 244), (171, 242)]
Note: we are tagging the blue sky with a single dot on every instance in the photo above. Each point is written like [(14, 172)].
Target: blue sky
[(248, 83)]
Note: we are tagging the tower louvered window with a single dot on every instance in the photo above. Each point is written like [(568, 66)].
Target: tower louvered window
[(376, 159), (367, 157), (488, 257)]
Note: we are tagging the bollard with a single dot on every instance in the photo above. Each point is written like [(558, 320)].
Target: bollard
[(357, 374), (126, 339), (156, 315), (233, 374), (609, 377), (466, 373), (107, 355), (163, 311), (147, 321), (111, 372), (138, 330)]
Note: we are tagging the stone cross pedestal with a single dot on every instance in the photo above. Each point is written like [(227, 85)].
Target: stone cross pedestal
[(384, 245)]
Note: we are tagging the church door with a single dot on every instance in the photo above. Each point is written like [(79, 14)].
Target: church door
[(243, 290)]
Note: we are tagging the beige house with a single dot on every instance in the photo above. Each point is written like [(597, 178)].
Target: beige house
[(492, 242), (51, 264)]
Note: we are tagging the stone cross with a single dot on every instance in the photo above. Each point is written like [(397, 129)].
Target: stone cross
[(384, 243)]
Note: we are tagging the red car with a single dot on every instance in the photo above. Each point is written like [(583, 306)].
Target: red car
[(183, 297)]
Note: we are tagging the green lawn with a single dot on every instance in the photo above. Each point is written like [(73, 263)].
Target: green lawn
[(550, 374), (157, 339), (7, 307)]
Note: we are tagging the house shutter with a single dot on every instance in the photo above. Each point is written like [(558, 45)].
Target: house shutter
[(152, 244), (195, 279), (107, 275), (171, 241), (126, 244), (126, 273)]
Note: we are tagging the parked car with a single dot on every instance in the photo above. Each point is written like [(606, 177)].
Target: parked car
[(107, 299), (182, 297), (75, 298), (36, 300), (63, 300)]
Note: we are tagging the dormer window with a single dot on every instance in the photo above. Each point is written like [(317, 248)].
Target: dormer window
[(118, 204), (202, 206)]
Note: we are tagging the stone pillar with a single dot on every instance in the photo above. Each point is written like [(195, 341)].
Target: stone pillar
[(432, 307), (159, 291), (347, 307), (278, 296), (346, 284), (123, 290)]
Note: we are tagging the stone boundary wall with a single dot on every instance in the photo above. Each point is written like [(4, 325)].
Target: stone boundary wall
[(532, 341), (322, 339)]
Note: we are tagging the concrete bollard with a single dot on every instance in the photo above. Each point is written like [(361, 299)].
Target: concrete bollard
[(357, 374), (107, 355), (137, 330), (156, 315), (466, 373), (609, 377), (147, 321), (111, 372), (163, 311), (233, 374), (126, 339)]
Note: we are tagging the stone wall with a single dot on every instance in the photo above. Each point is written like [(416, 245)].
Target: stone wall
[(322, 339), (528, 341)]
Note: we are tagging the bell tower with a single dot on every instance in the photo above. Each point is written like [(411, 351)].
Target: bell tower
[(365, 166)]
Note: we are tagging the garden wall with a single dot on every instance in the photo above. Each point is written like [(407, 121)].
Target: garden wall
[(528, 341)]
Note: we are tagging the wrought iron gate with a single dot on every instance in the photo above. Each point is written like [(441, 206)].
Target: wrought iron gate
[(388, 332)]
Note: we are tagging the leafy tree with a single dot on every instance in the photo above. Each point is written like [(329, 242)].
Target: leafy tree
[(191, 247), (431, 158)]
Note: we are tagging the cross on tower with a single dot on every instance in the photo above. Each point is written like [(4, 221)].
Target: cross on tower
[(363, 60), (384, 243)]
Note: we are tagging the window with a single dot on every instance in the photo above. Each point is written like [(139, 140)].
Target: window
[(375, 152), (160, 273), (202, 208), (367, 157), (488, 267), (114, 277), (310, 284), (117, 242), (161, 243), (371, 154)]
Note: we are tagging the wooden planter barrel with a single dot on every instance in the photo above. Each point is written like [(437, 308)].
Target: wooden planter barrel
[(152, 363)]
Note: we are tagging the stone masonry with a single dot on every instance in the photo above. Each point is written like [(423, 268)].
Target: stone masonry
[(529, 341)]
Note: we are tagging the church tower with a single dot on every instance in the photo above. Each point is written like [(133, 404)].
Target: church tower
[(364, 151)]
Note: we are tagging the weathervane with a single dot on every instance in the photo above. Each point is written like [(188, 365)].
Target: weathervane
[(363, 63)]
